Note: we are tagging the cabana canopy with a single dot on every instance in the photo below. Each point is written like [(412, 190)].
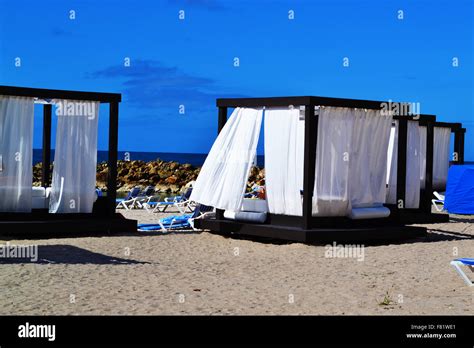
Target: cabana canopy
[(326, 165)]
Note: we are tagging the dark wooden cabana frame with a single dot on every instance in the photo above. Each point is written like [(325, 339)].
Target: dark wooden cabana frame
[(103, 218), (307, 228), (423, 214)]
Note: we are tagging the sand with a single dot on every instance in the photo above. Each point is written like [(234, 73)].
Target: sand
[(203, 273)]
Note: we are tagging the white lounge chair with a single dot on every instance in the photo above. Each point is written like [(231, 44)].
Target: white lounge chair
[(439, 200), (458, 263), (182, 203)]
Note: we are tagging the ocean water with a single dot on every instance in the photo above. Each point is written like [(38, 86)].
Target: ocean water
[(196, 159)]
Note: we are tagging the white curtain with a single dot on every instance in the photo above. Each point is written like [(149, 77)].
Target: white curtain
[(351, 160), (368, 159), (413, 166), (442, 136), (75, 158), (223, 177), (392, 155), (412, 193), (423, 137), (16, 151), (284, 155), (331, 187)]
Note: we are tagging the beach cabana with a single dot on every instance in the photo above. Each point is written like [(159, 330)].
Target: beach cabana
[(424, 154), (335, 169), (69, 203)]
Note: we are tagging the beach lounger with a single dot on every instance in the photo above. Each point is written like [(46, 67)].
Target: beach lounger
[(458, 263), (183, 197), (145, 196), (439, 200), (182, 204), (178, 222), (128, 201)]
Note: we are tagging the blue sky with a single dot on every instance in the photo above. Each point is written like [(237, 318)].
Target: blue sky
[(190, 62)]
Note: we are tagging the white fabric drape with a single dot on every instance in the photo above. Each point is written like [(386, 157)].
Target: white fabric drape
[(331, 187), (441, 140), (423, 137), (368, 160), (284, 155), (392, 155), (413, 167), (16, 152), (351, 160), (223, 177), (75, 158), (412, 194)]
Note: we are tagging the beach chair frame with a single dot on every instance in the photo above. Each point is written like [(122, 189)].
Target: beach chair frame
[(458, 264)]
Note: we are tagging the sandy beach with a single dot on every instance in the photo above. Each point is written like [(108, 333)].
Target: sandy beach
[(202, 273)]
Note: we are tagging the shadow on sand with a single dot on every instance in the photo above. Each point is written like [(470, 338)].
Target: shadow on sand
[(64, 254)]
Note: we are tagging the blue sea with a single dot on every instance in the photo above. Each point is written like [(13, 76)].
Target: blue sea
[(196, 159)]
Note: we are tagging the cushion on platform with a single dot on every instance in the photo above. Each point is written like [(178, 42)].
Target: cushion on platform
[(247, 216), (369, 213), (255, 205)]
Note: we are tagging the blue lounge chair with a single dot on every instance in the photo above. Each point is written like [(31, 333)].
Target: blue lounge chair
[(469, 262), (182, 203), (128, 201), (178, 222)]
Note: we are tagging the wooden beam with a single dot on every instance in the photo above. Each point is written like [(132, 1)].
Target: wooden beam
[(302, 100), (402, 161), (42, 93), (428, 191), (222, 118), (112, 160), (221, 121), (459, 144), (310, 141), (45, 173)]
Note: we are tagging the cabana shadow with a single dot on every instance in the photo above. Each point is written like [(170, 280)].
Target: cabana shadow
[(71, 255), (431, 237)]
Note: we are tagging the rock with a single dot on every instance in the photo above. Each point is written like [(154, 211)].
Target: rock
[(170, 177), (171, 180)]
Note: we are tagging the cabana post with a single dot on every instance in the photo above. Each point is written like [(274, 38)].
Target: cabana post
[(45, 174), (311, 134)]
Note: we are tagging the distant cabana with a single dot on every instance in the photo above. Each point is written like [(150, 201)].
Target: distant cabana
[(69, 203), (335, 169)]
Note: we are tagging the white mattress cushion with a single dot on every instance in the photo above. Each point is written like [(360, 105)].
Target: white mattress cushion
[(255, 205), (245, 216), (369, 213), (38, 192)]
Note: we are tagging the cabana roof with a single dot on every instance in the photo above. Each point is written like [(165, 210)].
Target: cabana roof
[(300, 100), (42, 93)]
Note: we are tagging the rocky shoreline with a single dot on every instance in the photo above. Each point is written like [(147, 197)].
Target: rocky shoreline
[(166, 177)]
